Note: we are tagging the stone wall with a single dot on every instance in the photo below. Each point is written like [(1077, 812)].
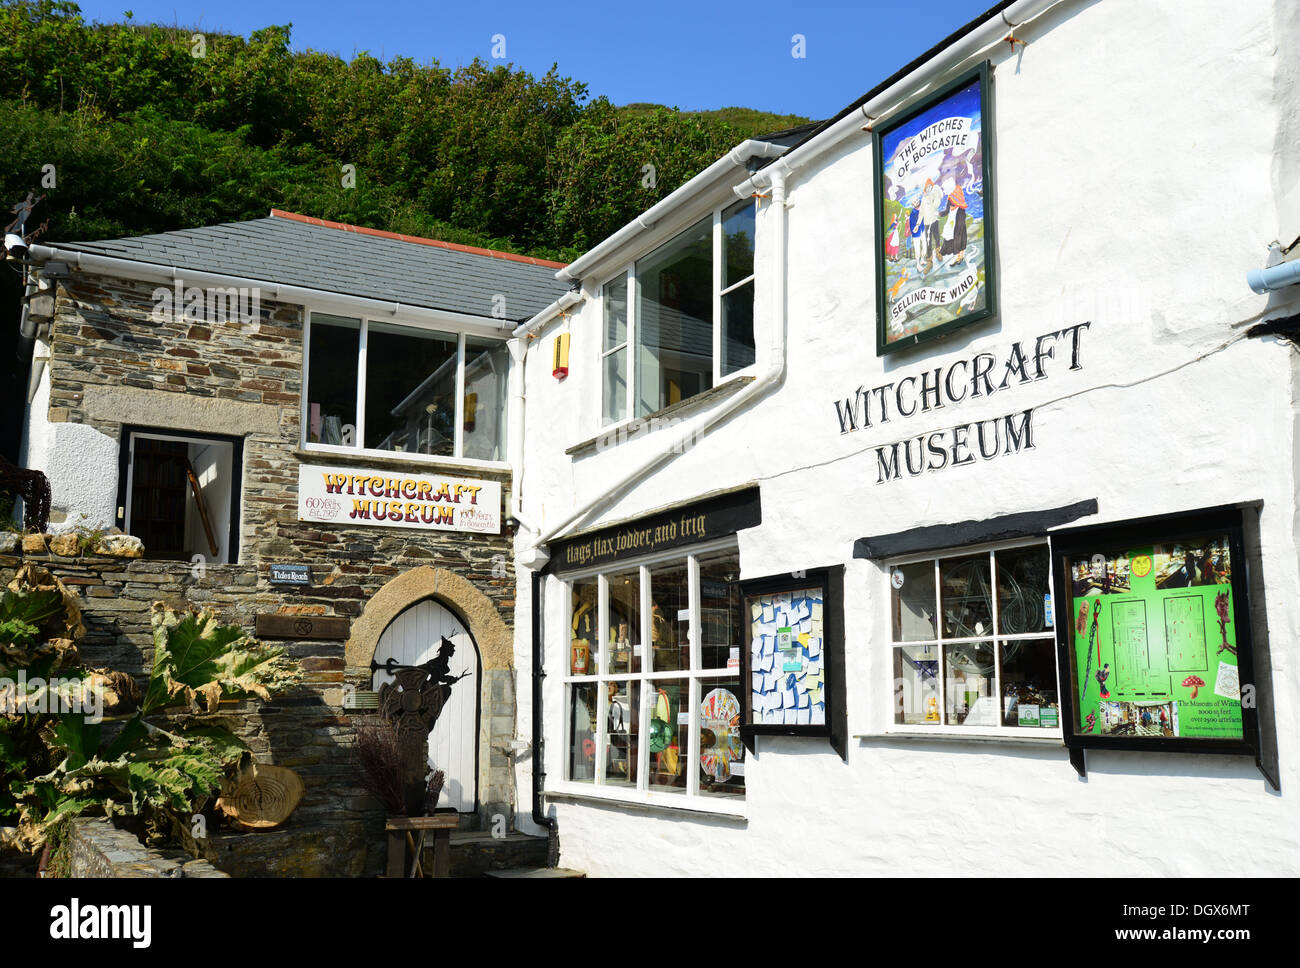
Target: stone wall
[(111, 364), (98, 849)]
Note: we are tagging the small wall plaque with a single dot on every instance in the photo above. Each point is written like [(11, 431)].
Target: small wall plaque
[(290, 574)]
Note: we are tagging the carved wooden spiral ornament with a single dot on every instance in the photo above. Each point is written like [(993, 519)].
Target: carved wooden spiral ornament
[(261, 796)]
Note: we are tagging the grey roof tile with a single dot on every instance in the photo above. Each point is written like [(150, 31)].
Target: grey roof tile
[(293, 253)]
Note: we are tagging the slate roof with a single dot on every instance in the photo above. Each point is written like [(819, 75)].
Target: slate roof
[(297, 250)]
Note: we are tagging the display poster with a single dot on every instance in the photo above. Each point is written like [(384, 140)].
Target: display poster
[(934, 232), (1154, 643), (786, 661), (722, 753)]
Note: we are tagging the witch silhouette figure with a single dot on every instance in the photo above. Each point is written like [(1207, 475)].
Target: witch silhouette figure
[(438, 669)]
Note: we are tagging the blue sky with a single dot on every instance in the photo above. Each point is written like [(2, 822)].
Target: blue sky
[(691, 55)]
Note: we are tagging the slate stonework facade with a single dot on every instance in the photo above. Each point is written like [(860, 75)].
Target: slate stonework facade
[(112, 363)]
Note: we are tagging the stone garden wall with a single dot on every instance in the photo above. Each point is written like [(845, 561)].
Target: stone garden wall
[(98, 849)]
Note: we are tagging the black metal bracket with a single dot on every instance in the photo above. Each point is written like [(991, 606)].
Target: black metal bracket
[(1077, 761), (391, 666), (1285, 327)]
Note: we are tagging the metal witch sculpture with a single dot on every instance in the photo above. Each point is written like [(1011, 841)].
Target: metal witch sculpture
[(411, 704), (22, 212)]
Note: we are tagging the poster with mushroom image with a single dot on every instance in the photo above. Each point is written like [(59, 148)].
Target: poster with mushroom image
[(1155, 647)]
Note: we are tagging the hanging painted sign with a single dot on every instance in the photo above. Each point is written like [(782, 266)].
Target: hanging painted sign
[(427, 502), (1154, 639), (934, 216)]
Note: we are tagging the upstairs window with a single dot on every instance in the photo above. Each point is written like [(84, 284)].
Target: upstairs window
[(376, 386), (680, 319)]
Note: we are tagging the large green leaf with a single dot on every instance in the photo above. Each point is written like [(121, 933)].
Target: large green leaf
[(76, 736), (23, 613), (133, 733), (196, 657), (176, 781)]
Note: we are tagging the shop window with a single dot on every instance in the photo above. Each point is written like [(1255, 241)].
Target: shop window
[(973, 641), (691, 321), (1155, 643), (386, 388), (179, 494), (653, 691)]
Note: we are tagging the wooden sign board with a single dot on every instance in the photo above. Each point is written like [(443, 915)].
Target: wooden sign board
[(277, 626)]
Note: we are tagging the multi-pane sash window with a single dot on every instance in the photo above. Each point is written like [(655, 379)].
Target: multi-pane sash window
[(681, 318), (973, 641), (653, 684), (381, 387)]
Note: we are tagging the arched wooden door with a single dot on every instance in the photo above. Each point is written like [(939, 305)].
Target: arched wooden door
[(412, 638)]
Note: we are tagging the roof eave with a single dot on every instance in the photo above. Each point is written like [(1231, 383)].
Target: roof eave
[(705, 181)]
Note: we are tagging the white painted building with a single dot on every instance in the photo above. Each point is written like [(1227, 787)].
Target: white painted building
[(1144, 157)]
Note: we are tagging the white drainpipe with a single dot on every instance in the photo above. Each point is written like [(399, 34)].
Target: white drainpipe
[(518, 402), (518, 354)]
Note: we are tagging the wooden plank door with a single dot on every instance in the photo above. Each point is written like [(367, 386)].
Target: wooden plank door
[(413, 638)]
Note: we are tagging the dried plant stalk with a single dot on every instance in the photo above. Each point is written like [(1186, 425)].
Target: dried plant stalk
[(381, 763)]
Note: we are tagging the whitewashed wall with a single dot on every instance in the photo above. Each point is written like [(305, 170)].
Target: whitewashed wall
[(1142, 155), (80, 462)]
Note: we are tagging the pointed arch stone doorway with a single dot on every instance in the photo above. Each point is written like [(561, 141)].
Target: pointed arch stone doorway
[(401, 614)]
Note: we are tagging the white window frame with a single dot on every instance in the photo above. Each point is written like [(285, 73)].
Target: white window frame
[(597, 788), (629, 273), (1014, 733), (365, 319)]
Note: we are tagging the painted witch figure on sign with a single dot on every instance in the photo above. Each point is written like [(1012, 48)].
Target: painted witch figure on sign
[(933, 193)]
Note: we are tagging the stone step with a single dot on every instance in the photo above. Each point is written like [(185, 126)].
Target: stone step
[(518, 872), (475, 852)]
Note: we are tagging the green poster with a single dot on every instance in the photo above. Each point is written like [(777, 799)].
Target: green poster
[(1155, 647)]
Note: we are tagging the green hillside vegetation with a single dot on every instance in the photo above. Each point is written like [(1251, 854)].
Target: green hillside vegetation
[(747, 122), (145, 136)]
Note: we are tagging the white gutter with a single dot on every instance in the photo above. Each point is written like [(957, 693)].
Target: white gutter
[(530, 327), (737, 157), (988, 34), (274, 291), (772, 374)]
